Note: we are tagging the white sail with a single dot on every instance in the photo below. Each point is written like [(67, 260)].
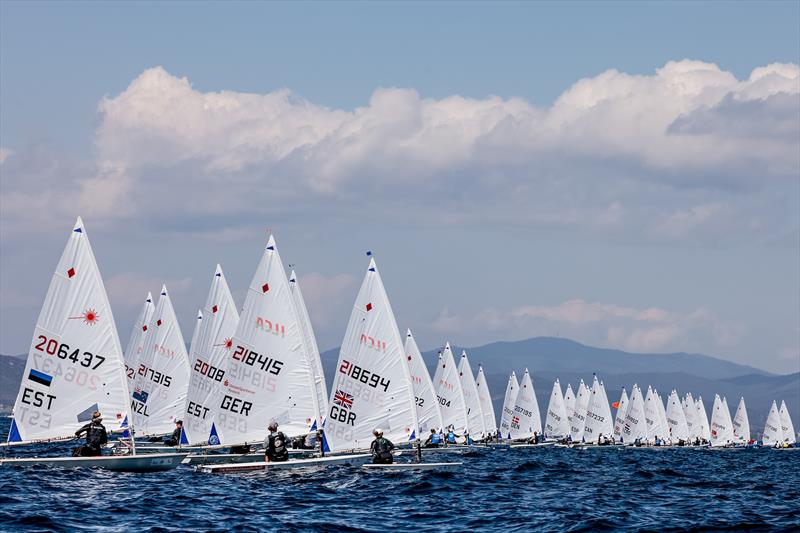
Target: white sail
[(526, 419), (212, 345), (607, 427), (704, 429), (741, 424), (635, 426), (320, 390), (428, 413), (447, 385), (162, 375), (569, 403), (487, 408), (721, 431), (512, 388), (598, 416), (136, 339), (662, 415), (268, 377), (475, 424), (619, 420), (579, 412), (372, 384), (690, 413), (75, 364), (787, 427), (676, 420), (652, 416), (773, 433), (556, 424)]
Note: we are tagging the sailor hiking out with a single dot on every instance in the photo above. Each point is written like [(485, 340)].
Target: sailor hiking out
[(381, 449), (96, 437), (275, 450)]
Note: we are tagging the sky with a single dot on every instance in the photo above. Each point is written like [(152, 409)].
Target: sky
[(626, 175)]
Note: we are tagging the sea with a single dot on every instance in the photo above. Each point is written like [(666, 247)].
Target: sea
[(530, 489)]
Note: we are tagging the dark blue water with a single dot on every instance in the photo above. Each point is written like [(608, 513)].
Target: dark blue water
[(551, 489)]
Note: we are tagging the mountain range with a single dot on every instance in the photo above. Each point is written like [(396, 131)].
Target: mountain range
[(548, 358)]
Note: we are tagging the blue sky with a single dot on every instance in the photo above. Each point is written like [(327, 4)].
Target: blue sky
[(590, 182)]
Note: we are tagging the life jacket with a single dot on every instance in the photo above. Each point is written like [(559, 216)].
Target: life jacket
[(382, 451), (451, 437), (434, 438)]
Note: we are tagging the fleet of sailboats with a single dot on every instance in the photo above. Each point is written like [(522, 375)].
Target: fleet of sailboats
[(243, 373)]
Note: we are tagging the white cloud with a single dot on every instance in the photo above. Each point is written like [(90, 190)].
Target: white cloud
[(5, 153), (663, 156), (650, 329)]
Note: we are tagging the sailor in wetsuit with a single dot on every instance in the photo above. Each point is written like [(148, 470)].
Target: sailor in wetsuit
[(381, 449), (275, 450), (175, 438), (96, 436)]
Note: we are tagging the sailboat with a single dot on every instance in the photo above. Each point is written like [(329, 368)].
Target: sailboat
[(161, 383), (372, 387), (655, 431), (721, 430), (211, 347), (487, 408), (556, 425), (704, 430), (598, 426), (619, 419), (569, 403), (320, 391), (634, 430), (136, 340), (787, 427), (690, 413), (526, 420), (447, 384), (741, 424), (579, 413), (75, 367), (475, 424), (429, 415), (512, 388), (676, 420), (773, 432)]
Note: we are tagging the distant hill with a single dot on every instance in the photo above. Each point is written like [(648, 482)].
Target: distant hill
[(549, 358)]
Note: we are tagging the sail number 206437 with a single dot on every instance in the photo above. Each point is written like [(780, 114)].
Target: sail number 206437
[(63, 351)]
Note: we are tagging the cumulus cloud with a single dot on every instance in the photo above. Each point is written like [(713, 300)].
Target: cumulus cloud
[(661, 156), (650, 329)]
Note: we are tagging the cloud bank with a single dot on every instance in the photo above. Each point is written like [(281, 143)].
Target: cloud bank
[(688, 152)]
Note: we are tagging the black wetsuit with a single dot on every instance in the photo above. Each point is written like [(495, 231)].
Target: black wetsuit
[(96, 436), (275, 449), (381, 450), (175, 438)]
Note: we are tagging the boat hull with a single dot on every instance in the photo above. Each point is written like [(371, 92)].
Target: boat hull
[(151, 462), (260, 466)]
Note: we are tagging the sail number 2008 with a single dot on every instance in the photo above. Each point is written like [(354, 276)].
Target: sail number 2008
[(62, 351)]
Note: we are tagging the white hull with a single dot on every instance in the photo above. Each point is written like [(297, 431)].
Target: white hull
[(355, 460), (540, 445), (415, 466), (151, 462)]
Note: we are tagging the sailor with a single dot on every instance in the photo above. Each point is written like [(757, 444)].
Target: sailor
[(96, 436), (451, 435), (275, 450), (381, 449), (433, 440), (175, 438)]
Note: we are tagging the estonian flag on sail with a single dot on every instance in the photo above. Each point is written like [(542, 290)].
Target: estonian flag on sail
[(40, 377)]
